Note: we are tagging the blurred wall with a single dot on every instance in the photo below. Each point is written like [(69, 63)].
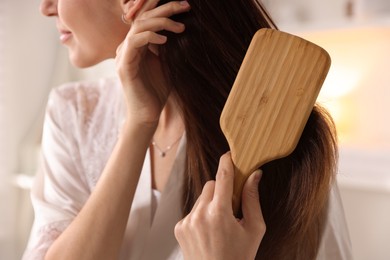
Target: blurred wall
[(5, 217), (358, 43), (32, 62), (27, 64)]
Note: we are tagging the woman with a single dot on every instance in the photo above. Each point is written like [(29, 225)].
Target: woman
[(125, 160)]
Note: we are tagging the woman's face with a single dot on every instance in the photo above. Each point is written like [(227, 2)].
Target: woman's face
[(91, 29)]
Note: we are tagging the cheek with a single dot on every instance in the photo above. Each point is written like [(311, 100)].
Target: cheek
[(99, 39), (70, 12), (113, 32), (104, 25), (112, 22), (97, 29)]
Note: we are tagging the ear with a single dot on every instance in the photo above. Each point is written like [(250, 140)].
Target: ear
[(131, 8)]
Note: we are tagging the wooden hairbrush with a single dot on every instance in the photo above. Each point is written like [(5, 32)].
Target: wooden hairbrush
[(271, 100)]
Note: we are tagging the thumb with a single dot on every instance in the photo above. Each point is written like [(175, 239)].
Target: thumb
[(251, 209)]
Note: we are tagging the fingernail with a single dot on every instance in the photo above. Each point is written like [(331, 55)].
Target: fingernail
[(258, 174), (184, 3), (162, 37), (180, 25)]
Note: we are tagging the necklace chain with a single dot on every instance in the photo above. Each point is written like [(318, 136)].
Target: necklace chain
[(163, 152)]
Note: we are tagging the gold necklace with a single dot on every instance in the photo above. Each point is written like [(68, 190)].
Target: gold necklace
[(163, 152)]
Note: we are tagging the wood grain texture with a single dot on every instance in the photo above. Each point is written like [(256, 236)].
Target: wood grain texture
[(271, 99)]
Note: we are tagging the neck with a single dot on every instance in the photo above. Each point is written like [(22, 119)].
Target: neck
[(170, 125)]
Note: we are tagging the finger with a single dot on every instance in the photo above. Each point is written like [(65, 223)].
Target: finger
[(206, 191), (206, 196), (156, 25), (251, 210), (132, 12), (149, 5), (224, 182), (145, 38), (195, 205), (126, 53), (154, 49), (167, 10)]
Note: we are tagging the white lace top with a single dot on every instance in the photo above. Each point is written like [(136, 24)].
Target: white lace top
[(80, 130)]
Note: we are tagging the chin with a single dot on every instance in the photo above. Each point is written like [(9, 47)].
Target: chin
[(84, 61)]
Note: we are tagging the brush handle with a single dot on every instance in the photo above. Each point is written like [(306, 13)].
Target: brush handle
[(240, 177)]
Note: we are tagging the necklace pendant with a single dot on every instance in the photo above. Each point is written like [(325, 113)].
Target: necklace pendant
[(164, 152)]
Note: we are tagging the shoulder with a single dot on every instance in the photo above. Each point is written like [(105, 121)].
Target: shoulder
[(84, 95), (85, 102)]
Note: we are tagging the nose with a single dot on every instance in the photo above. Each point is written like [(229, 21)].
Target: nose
[(48, 7)]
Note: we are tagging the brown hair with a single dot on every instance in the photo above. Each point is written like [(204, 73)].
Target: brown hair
[(201, 64)]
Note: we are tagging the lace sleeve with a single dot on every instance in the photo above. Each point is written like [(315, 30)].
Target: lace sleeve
[(46, 236), (60, 190)]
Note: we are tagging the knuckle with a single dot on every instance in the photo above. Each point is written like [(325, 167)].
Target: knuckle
[(224, 157), (137, 23), (178, 230), (223, 173), (225, 162), (166, 22), (261, 228), (196, 219), (209, 184), (217, 212), (149, 35), (143, 16)]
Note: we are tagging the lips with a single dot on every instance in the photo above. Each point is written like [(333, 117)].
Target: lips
[(65, 35)]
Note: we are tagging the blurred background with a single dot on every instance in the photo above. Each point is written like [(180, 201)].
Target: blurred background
[(356, 33)]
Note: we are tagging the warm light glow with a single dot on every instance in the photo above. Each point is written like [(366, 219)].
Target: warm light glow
[(356, 77), (341, 80)]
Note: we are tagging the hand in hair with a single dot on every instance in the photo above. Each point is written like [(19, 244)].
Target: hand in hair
[(137, 61), (211, 231)]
